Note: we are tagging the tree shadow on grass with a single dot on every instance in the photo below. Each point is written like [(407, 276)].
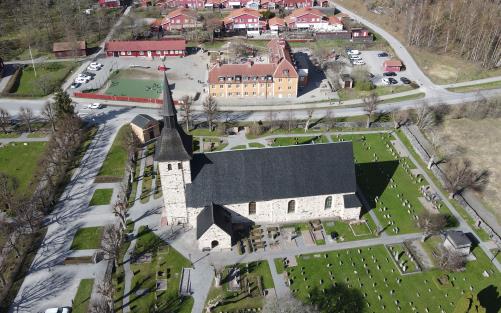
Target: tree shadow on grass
[(374, 178), (338, 298), (490, 299)]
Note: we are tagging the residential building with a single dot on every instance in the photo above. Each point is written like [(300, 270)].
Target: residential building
[(192, 4), (458, 242), (146, 48), (276, 24), (392, 66), (293, 4), (244, 19), (181, 18), (218, 192), (69, 49), (346, 81), (312, 19), (145, 127), (278, 78), (109, 3), (216, 4), (359, 34)]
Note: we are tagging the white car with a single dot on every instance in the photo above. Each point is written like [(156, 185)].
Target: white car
[(80, 80), (358, 62), (94, 66), (385, 81), (95, 105), (58, 310), (353, 52), (355, 57)]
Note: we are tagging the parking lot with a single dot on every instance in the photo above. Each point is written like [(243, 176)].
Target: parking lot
[(374, 65), (187, 75)]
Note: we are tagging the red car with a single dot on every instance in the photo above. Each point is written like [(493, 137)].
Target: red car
[(162, 68)]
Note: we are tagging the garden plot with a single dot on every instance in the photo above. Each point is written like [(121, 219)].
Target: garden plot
[(369, 278), (388, 182)]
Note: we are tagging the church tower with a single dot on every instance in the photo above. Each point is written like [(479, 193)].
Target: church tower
[(173, 153)]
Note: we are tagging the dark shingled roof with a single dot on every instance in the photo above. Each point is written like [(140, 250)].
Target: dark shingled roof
[(458, 238), (173, 143), (351, 201), (214, 214), (273, 173), (142, 120)]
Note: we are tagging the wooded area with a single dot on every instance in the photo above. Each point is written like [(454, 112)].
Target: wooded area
[(40, 23), (469, 29)]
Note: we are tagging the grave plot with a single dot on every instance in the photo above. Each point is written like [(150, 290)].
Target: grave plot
[(343, 231), (403, 259), (240, 288), (388, 181), (370, 276)]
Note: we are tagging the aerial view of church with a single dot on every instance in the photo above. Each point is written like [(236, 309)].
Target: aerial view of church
[(213, 191)]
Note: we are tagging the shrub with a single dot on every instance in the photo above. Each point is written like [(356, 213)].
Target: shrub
[(364, 85)]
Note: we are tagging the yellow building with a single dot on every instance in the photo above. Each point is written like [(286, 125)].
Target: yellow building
[(278, 79)]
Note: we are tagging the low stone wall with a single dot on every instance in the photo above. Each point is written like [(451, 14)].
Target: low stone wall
[(419, 143)]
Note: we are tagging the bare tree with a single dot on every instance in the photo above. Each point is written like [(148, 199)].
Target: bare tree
[(4, 120), (11, 231), (120, 211), (112, 240), (8, 186), (329, 119), (210, 109), (461, 176), (370, 106), (399, 117), (308, 120), (186, 104), (290, 120), (451, 261), (100, 305), (270, 116), (27, 215), (4, 265), (431, 223), (288, 304), (27, 116), (49, 112), (106, 290), (425, 117)]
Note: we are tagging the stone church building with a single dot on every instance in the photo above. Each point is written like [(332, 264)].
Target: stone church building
[(214, 192)]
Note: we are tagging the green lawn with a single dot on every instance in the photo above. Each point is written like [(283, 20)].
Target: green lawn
[(289, 141), (82, 298), (166, 259), (403, 98), (147, 183), (491, 85), (10, 135), (113, 168), (49, 76), (118, 277), (279, 265), (375, 167), (205, 132), (259, 276), (362, 287), (101, 197), (239, 147), (345, 232), (21, 161), (133, 192), (87, 238), (141, 88), (256, 145), (347, 94)]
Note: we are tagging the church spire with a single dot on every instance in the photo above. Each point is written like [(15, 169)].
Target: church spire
[(168, 111)]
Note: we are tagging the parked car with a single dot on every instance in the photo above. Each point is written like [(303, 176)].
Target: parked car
[(58, 310), (392, 80), (382, 54), (389, 74), (75, 85), (353, 52), (80, 80), (405, 80), (385, 81), (358, 62), (162, 68), (83, 76), (95, 64), (355, 57), (95, 105)]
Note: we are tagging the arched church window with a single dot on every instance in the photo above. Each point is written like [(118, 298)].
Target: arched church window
[(180, 166), (291, 206), (169, 167), (252, 208), (328, 202)]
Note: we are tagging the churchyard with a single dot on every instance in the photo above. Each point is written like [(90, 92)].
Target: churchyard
[(373, 278), (241, 287), (157, 269)]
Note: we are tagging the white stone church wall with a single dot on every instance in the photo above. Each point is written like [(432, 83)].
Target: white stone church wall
[(174, 181), (215, 233)]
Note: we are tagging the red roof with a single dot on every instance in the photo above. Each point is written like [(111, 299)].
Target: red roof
[(304, 11), (334, 20), (145, 45), (182, 11), (392, 63), (238, 12), (276, 21)]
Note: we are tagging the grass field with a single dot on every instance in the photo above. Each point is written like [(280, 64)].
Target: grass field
[(20, 161), (376, 167), (347, 94), (379, 287), (166, 259), (101, 197), (48, 77), (87, 238), (345, 231), (484, 86), (113, 167), (118, 277), (289, 141), (82, 298), (141, 88)]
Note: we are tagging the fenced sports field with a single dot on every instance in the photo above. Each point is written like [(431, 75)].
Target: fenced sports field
[(141, 88)]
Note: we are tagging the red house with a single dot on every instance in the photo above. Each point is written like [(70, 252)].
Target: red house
[(194, 4), (109, 3), (150, 49), (244, 19), (392, 66), (361, 35), (292, 4), (181, 18)]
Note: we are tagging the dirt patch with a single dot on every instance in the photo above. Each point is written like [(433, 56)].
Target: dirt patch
[(442, 72), (479, 141)]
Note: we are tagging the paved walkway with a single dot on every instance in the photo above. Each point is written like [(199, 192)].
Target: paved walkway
[(24, 138)]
